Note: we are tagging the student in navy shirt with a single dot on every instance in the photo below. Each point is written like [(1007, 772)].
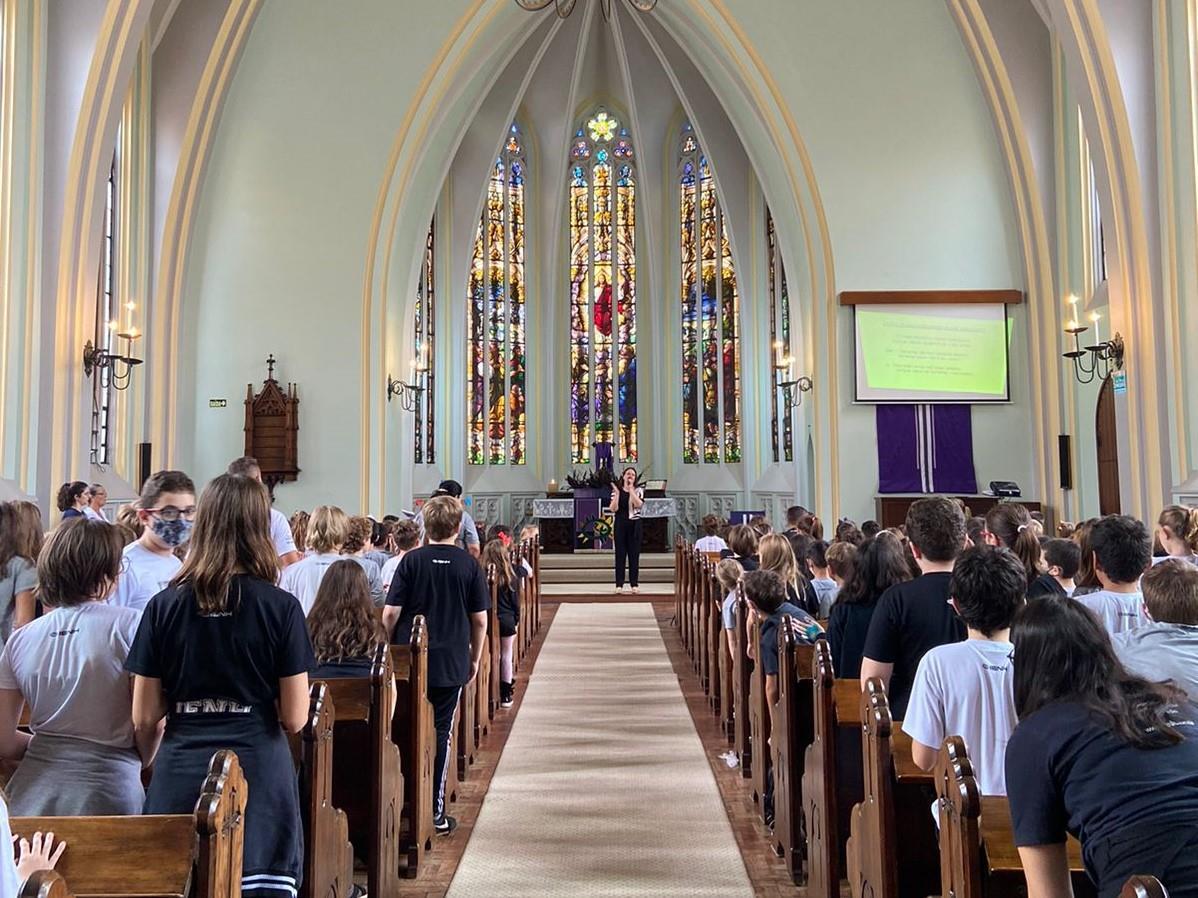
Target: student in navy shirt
[(880, 563), (446, 585), (1101, 754), (342, 624), (223, 655), (915, 616)]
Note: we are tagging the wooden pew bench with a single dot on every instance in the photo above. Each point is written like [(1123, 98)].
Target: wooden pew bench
[(794, 720), (414, 733), (186, 855), (742, 671), (896, 807), (367, 780), (328, 854), (978, 857), (832, 773), (759, 720), (1143, 887)]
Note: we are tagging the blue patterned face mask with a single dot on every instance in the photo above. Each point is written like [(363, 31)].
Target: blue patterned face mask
[(173, 533)]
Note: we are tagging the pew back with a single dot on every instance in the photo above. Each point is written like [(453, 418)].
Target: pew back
[(794, 720), (414, 733), (176, 854), (328, 854)]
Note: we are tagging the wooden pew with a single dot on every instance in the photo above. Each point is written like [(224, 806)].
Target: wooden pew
[(414, 732), (45, 884), (328, 854), (832, 777), (896, 804), (726, 688), (679, 583), (1143, 887), (197, 854), (535, 559), (716, 641), (367, 777), (493, 672), (759, 719), (464, 731), (742, 670), (978, 857), (703, 593), (794, 719)]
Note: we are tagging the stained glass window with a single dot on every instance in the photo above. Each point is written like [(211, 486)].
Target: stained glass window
[(108, 323), (496, 325), (423, 356), (602, 215), (779, 296), (710, 315)]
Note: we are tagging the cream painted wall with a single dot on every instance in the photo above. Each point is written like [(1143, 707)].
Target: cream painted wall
[(914, 186), (283, 228)]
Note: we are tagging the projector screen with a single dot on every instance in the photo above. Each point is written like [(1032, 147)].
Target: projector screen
[(931, 353)]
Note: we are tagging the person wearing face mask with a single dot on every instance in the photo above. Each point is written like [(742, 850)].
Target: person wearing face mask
[(83, 757), (166, 510)]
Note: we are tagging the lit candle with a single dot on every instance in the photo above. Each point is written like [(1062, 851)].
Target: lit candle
[(1094, 317), (1072, 325), (133, 333)]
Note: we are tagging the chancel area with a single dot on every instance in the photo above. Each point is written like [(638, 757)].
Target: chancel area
[(598, 447)]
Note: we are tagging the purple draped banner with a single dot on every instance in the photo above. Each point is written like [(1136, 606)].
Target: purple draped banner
[(925, 449)]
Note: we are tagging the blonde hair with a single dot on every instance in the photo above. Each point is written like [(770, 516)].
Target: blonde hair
[(728, 572), (231, 536), (1182, 522), (328, 529), (442, 517), (777, 555)]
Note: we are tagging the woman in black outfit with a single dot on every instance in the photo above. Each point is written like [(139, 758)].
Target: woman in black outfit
[(72, 499), (1101, 754), (881, 562), (627, 500)]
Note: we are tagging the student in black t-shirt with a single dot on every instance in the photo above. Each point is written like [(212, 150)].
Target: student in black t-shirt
[(447, 586), (878, 564), (742, 545), (915, 616), (1099, 753), (344, 630), (223, 655), (1062, 557)]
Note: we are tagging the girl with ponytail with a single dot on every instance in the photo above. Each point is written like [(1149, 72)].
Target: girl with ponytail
[(1177, 532), (1010, 525)]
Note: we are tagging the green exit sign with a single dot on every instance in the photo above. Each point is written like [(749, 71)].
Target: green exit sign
[(217, 403)]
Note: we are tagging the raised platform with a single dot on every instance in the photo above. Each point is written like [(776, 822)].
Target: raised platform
[(586, 574)]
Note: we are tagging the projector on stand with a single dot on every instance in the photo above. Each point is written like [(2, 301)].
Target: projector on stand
[(1005, 489)]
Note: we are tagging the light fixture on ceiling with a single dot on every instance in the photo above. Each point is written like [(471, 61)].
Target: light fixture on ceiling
[(563, 8)]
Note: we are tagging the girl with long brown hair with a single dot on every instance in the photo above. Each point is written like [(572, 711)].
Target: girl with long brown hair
[(223, 654), (20, 544), (497, 556), (343, 626), (1010, 525), (1177, 533)]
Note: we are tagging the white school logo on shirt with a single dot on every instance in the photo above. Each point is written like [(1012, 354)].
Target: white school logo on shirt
[(212, 706)]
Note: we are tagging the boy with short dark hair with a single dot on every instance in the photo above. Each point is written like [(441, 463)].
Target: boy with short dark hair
[(915, 616), (446, 585), (1062, 557), (966, 688), (822, 584), (1166, 648), (711, 541), (1122, 551)]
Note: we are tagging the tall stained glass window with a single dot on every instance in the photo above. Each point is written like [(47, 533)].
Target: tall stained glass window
[(423, 356), (496, 325), (710, 315), (602, 197), (108, 320), (783, 414)]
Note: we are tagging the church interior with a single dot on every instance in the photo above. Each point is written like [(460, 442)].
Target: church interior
[(676, 420)]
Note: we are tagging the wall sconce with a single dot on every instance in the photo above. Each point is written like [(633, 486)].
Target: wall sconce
[(1098, 359), (409, 394), (120, 366), (792, 387)]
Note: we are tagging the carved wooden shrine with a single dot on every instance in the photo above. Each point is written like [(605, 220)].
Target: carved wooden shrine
[(272, 429)]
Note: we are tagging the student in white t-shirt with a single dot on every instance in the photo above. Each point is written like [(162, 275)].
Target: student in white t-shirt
[(966, 688), (1121, 550), (166, 510), (728, 572), (68, 666), (711, 541), (280, 527), (328, 528), (406, 536)]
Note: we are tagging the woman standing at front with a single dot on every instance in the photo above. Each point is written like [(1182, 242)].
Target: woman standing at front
[(627, 500), (224, 655)]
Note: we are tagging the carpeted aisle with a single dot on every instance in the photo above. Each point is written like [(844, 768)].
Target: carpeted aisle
[(603, 787)]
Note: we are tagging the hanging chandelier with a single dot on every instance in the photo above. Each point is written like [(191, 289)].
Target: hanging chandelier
[(563, 8)]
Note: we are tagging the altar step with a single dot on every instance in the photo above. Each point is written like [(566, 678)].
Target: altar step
[(587, 570)]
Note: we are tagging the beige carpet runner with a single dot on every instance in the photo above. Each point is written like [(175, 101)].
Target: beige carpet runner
[(603, 788)]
